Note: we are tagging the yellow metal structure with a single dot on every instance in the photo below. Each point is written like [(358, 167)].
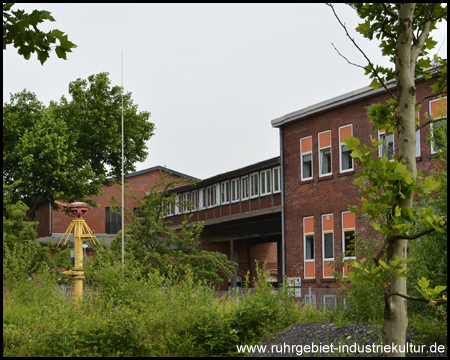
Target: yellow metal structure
[(81, 231)]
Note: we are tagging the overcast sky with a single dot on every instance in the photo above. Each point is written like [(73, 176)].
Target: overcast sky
[(213, 76)]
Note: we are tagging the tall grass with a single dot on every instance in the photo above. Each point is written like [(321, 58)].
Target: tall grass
[(139, 316)]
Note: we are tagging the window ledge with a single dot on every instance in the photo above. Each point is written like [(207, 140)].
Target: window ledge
[(328, 280), (308, 281), (327, 177), (418, 158), (309, 181), (348, 173)]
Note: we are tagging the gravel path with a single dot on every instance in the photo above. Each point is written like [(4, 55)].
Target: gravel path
[(287, 342)]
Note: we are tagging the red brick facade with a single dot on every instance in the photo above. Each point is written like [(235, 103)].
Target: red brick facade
[(139, 183), (330, 194)]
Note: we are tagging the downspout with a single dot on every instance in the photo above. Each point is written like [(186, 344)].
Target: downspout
[(283, 247)]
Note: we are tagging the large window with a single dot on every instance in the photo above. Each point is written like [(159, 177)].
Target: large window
[(327, 245), (345, 160), (235, 190), (325, 153), (194, 200), (308, 246), (202, 196), (276, 180), (225, 192), (438, 110), (113, 222), (387, 148), (213, 195), (306, 158), (245, 189), (254, 185), (417, 136), (266, 182)]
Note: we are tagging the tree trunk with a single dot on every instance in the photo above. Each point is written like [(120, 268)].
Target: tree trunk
[(395, 321)]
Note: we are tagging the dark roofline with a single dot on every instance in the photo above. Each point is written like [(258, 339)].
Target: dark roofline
[(161, 168), (230, 174), (335, 102)]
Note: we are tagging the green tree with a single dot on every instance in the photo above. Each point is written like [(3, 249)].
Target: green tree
[(390, 187), (67, 150), (21, 30), (152, 241)]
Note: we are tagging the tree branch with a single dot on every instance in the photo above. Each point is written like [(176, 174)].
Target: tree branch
[(413, 236), (362, 52), (415, 298), (418, 127)]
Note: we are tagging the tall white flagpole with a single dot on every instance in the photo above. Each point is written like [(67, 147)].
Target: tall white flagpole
[(123, 196)]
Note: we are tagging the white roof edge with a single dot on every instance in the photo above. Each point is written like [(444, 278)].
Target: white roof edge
[(328, 104)]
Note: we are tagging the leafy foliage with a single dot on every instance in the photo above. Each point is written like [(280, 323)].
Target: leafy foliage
[(153, 242), (64, 150), (21, 30)]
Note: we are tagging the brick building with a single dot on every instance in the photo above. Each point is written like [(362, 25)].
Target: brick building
[(317, 177), (241, 212), (104, 223)]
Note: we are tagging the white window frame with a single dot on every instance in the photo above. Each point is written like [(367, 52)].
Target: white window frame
[(380, 148), (178, 209), (202, 199), (341, 148), (225, 192), (433, 150), (323, 246), (194, 200), (186, 197), (236, 189), (267, 188), (169, 209), (278, 177), (253, 193), (245, 195), (305, 154), (324, 302), (304, 246), (320, 155), (343, 236)]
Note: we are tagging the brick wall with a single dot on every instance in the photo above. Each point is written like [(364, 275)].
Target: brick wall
[(331, 194), (138, 184)]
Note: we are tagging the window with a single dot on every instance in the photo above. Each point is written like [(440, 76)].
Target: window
[(178, 200), (244, 184), (234, 190), (254, 185), (325, 153), (308, 231), (309, 247), (225, 192), (194, 200), (327, 245), (202, 198), (113, 222), (276, 180), (329, 302), (348, 237), (345, 160), (417, 137), (169, 209), (213, 195), (387, 148), (438, 110), (266, 186), (306, 157), (186, 200)]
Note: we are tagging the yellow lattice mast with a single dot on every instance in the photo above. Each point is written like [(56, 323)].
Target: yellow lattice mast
[(80, 231)]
